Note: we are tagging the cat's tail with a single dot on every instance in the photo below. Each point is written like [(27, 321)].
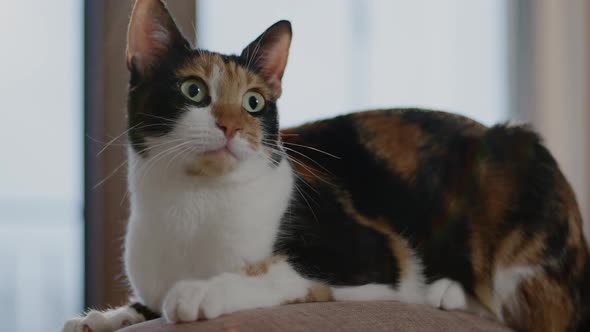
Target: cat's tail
[(544, 283), (583, 321)]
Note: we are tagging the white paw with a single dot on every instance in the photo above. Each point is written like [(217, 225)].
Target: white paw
[(96, 321), (447, 294), (192, 299), (217, 299), (183, 301)]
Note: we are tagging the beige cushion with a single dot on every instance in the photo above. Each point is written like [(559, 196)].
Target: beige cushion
[(333, 316)]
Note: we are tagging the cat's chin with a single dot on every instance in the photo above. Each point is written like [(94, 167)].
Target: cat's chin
[(212, 163)]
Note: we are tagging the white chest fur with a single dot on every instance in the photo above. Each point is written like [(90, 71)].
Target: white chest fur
[(181, 230)]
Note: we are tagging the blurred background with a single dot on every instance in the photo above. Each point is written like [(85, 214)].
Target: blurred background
[(62, 100)]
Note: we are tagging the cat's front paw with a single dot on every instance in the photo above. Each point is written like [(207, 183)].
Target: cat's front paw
[(190, 300), (183, 301), (97, 321)]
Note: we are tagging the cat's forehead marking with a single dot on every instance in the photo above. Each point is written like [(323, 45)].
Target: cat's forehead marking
[(214, 79), (227, 80)]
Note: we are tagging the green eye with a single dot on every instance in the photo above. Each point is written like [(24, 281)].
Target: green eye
[(253, 102), (194, 90)]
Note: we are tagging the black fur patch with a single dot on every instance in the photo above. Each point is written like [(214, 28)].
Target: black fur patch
[(146, 312)]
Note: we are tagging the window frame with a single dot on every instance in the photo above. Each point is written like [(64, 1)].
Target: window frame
[(105, 95)]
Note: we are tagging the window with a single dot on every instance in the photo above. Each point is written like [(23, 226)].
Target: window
[(41, 169), (357, 55)]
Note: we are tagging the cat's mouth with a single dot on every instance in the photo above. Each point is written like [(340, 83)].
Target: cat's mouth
[(215, 162)]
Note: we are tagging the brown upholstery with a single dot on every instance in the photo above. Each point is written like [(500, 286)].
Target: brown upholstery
[(333, 316)]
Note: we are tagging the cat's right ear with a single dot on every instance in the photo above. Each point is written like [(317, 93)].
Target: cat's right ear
[(152, 35)]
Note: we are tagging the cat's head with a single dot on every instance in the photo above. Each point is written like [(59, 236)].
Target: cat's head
[(203, 111)]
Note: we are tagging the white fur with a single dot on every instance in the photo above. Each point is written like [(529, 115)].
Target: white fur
[(96, 321), (410, 289), (216, 75), (506, 282), (412, 285), (227, 292), (447, 294), (189, 227)]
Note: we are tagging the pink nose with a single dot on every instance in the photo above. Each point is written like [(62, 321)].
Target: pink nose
[(229, 130)]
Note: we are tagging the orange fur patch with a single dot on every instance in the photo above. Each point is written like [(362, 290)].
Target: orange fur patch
[(214, 163), (260, 268), (392, 140), (316, 293)]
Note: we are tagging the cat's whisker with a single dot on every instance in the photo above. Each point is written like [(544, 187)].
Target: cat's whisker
[(183, 151), (300, 190), (307, 202), (281, 135), (162, 154), (111, 174), (116, 138), (312, 148), (112, 142), (169, 121), (307, 157), (300, 163)]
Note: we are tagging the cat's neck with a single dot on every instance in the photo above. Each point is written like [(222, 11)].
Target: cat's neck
[(157, 187)]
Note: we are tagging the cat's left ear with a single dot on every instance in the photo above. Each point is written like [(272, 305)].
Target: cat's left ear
[(269, 52)]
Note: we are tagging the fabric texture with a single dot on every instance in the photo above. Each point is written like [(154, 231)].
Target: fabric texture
[(333, 316)]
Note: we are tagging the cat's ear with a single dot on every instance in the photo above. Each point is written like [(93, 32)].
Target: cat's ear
[(152, 35), (269, 52)]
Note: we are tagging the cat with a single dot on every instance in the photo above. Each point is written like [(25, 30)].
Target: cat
[(229, 213)]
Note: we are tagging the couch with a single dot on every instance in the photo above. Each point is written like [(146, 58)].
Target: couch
[(333, 316)]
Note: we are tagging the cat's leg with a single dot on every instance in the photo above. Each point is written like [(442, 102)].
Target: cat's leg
[(110, 320), (447, 294), (270, 283)]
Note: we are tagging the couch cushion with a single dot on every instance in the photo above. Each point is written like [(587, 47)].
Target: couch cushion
[(333, 316)]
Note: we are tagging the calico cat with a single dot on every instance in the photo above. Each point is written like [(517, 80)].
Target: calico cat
[(229, 213)]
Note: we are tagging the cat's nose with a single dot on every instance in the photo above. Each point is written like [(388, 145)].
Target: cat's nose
[(229, 129)]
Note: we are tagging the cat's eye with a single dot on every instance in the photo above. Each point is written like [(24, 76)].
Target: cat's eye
[(194, 90), (253, 102)]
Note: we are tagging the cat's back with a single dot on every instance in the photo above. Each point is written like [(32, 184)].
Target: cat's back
[(470, 201), (405, 144)]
